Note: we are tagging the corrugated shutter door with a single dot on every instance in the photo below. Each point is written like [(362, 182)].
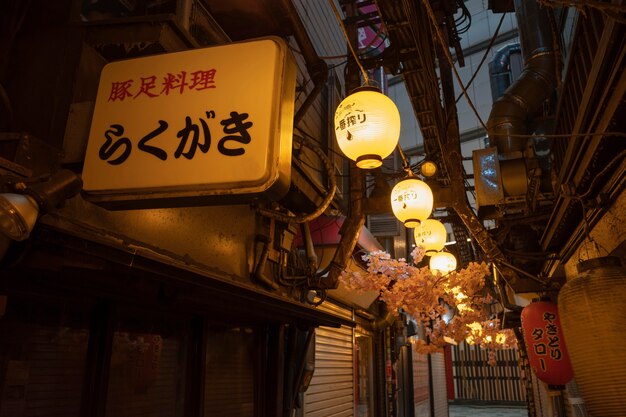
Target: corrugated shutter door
[(420, 384), (331, 392), (440, 399)]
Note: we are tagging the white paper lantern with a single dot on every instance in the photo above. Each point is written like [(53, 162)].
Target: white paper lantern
[(432, 235), (442, 262), (411, 201), (367, 126)]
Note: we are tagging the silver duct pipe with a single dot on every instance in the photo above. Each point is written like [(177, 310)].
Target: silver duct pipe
[(500, 70), (509, 114)]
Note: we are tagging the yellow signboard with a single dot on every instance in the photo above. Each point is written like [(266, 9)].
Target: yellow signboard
[(187, 128)]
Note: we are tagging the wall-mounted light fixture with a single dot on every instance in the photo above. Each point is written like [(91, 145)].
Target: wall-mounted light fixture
[(19, 210), (367, 126), (411, 201), (432, 235)]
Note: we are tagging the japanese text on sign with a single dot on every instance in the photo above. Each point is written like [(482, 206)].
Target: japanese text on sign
[(153, 86), (353, 117), (192, 127), (551, 345), (406, 196), (190, 139)]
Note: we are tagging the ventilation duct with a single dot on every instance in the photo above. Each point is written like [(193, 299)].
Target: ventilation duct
[(501, 71), (592, 312), (508, 173), (510, 113)]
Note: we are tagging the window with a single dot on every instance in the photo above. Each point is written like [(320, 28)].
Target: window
[(43, 347), (147, 369)]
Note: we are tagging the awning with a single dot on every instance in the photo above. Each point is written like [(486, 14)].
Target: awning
[(326, 237)]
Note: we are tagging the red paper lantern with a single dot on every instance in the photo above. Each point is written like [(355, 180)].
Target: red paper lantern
[(545, 343)]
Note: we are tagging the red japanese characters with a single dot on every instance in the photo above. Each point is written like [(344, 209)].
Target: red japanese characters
[(153, 86), (545, 344)]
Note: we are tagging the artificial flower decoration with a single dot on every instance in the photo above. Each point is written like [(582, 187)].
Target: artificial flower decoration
[(428, 296)]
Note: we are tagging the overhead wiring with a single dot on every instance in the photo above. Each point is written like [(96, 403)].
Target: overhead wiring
[(444, 47), (347, 38), (482, 61)]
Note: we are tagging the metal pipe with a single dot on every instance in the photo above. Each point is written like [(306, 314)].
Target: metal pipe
[(383, 322), (500, 70), (356, 220), (259, 271), (522, 99), (310, 249)]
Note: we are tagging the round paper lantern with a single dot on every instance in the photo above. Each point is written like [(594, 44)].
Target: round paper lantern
[(411, 201), (367, 126), (592, 312), (442, 262), (428, 168), (545, 344), (432, 235)]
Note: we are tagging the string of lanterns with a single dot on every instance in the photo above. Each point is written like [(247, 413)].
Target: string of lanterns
[(367, 126)]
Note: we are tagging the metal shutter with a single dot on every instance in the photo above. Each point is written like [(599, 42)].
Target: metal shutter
[(421, 395), (440, 393), (331, 392), (476, 380)]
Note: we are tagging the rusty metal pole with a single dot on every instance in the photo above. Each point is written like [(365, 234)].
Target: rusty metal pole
[(356, 219)]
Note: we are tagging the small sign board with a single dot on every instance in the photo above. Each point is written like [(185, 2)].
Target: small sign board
[(194, 127)]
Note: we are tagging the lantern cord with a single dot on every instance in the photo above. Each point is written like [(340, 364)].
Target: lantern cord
[(405, 161), (285, 218), (366, 79)]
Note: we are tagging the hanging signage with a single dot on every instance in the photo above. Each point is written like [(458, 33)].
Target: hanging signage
[(545, 344), (188, 127)]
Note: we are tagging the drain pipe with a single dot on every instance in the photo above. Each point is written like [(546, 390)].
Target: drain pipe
[(523, 98), (317, 68)]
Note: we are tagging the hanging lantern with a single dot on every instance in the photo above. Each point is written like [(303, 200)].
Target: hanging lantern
[(367, 125), (592, 311), (432, 235), (411, 201), (428, 168), (545, 344), (442, 262)]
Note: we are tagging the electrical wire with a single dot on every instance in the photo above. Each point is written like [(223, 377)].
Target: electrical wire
[(482, 61), (466, 16), (568, 135), (598, 177), (444, 47), (347, 38), (308, 135), (332, 189)]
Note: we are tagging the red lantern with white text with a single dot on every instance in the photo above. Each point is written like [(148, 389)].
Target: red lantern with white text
[(545, 344)]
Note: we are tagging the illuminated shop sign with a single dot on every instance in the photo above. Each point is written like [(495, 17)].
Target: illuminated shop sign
[(193, 127)]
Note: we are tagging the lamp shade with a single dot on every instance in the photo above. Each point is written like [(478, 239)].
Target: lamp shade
[(432, 235), (18, 214), (367, 126), (411, 201), (442, 262)]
